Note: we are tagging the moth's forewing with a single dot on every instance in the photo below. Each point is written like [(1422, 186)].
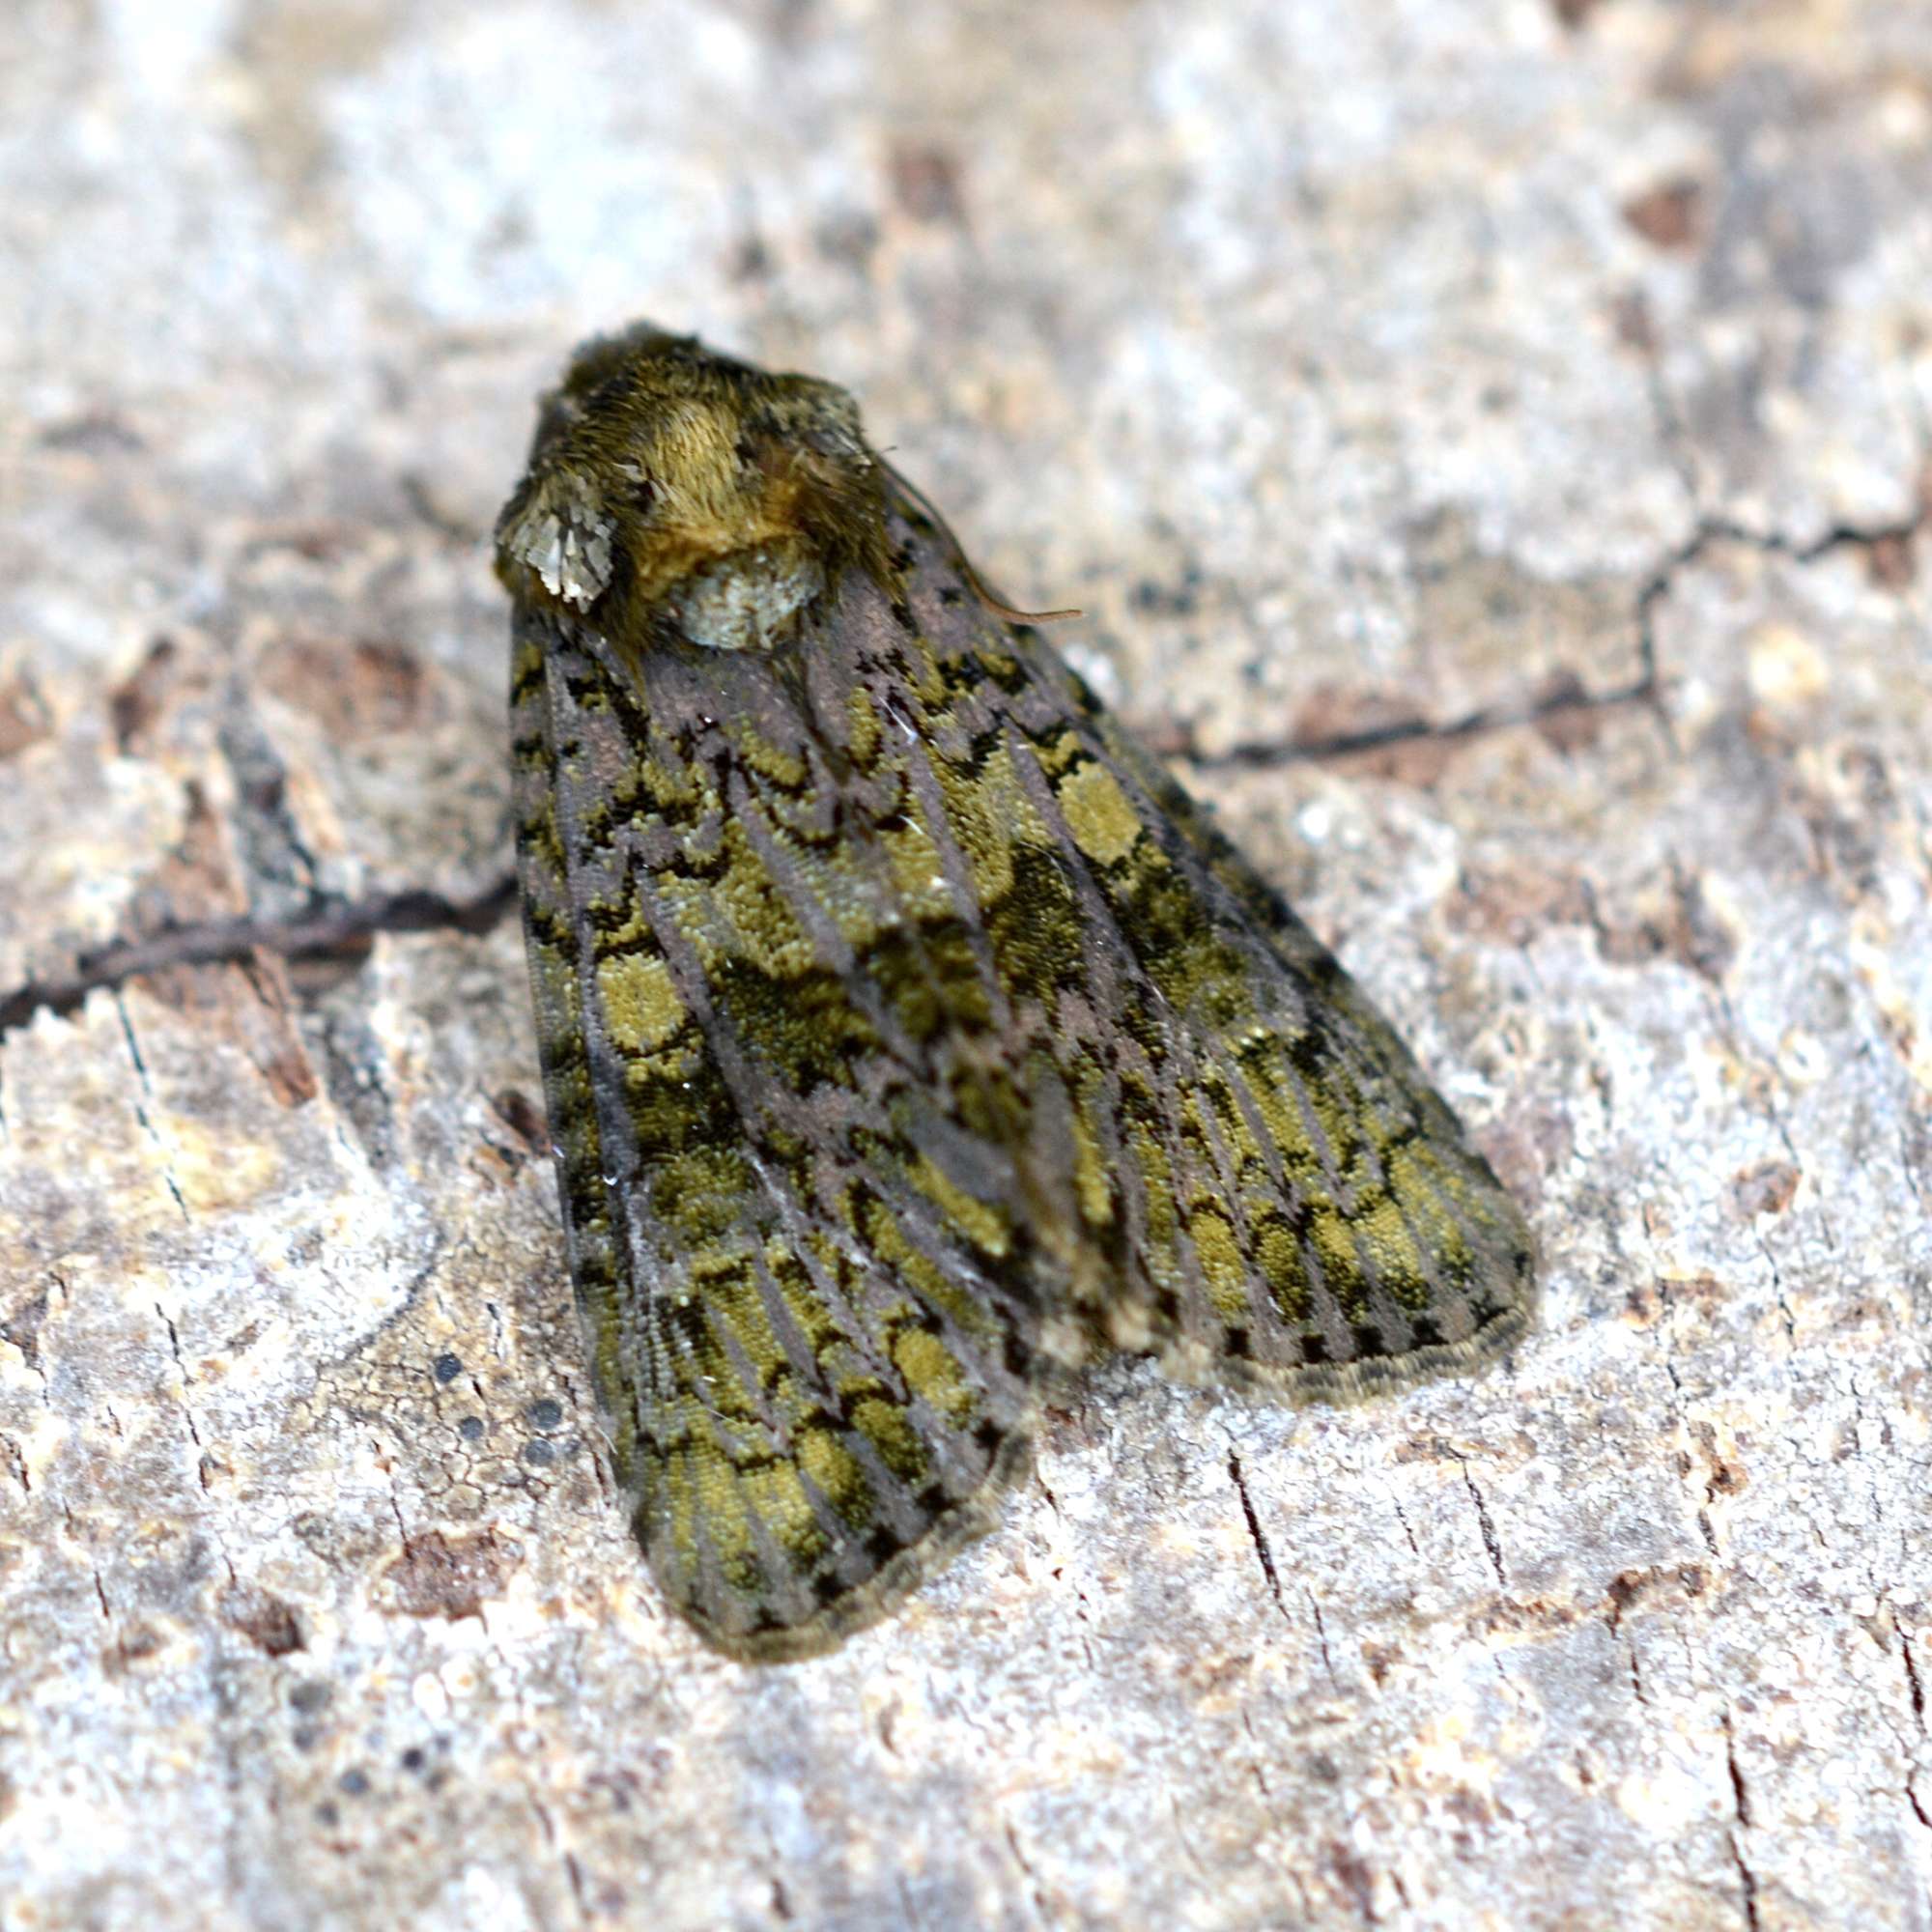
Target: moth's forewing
[(813, 1372), (1335, 1233)]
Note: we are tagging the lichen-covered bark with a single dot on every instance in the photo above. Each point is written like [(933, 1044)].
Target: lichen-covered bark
[(1492, 451)]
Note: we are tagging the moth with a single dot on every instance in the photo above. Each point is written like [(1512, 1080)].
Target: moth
[(909, 1036)]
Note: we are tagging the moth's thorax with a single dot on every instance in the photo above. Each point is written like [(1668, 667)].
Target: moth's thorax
[(674, 493)]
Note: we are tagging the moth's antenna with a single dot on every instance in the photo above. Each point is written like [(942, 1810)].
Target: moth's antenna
[(972, 576)]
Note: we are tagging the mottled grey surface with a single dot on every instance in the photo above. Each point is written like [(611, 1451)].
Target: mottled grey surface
[(1559, 371)]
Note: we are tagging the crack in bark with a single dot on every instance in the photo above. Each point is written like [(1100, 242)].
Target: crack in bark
[(1914, 1690), (1645, 688), (327, 927), (1373, 738), (1258, 1537), (148, 1126), (1739, 1796), (1032, 1877), (1491, 1541), (1321, 1636), (1740, 1806)]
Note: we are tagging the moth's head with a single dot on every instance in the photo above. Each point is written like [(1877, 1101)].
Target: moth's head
[(672, 491)]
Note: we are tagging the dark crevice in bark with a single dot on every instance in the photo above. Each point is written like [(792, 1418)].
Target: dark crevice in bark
[(1379, 737), (1645, 688), (1484, 1522), (1742, 1809), (329, 927), (1256, 1534)]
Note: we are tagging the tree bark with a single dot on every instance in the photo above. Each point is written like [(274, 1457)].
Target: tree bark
[(1491, 450)]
